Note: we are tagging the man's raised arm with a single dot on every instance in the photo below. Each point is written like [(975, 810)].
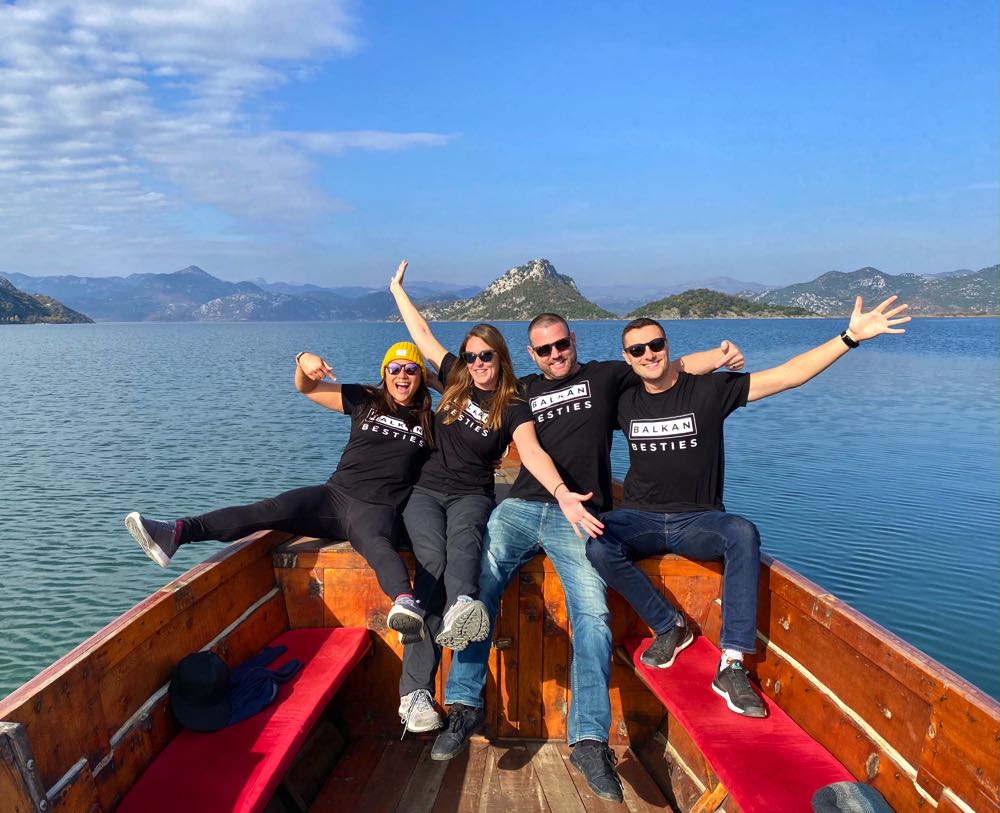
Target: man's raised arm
[(799, 370)]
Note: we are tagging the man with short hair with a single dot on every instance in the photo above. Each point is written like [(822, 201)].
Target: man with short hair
[(573, 406), (673, 491)]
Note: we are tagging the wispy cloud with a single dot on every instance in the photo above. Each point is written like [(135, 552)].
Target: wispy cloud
[(988, 185), (112, 113)]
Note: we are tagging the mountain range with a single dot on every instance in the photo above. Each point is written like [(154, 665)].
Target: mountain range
[(520, 293), (938, 294)]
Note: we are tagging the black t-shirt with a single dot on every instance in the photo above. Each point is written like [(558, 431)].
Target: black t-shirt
[(675, 442), (575, 418), (466, 451), (384, 454)]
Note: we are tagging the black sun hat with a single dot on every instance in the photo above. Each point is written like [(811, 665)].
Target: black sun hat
[(199, 692)]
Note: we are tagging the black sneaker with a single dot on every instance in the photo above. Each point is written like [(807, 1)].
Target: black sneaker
[(596, 761), (463, 722), (733, 683), (666, 645), (157, 538)]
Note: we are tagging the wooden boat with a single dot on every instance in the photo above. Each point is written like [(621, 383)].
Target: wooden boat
[(79, 735)]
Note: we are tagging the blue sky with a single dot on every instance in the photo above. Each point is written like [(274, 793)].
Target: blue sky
[(320, 141)]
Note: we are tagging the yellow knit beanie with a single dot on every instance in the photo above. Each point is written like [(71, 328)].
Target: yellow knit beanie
[(403, 352)]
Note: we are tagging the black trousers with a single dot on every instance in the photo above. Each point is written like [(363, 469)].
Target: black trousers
[(322, 511), (446, 532)]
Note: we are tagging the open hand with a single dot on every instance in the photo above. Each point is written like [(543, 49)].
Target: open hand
[(315, 367), (877, 321), (579, 517), (396, 283), (732, 356)]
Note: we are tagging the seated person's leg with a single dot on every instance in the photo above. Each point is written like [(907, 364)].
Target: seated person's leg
[(509, 542), (708, 536), (715, 535), (467, 618), (590, 671), (628, 536)]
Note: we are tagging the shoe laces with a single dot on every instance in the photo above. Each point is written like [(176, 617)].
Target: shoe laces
[(456, 719), (420, 700), (740, 678)]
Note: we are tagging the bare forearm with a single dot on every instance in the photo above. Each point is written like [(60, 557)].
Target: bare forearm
[(796, 371), (700, 363)]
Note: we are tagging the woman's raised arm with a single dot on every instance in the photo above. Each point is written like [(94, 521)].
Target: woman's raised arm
[(420, 331)]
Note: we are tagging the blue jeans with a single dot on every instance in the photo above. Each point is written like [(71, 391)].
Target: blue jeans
[(703, 536), (517, 530)]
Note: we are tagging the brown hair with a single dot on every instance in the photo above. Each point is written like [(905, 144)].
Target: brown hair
[(642, 321), (458, 389)]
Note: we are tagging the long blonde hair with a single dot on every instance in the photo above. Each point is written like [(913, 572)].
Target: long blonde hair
[(458, 388)]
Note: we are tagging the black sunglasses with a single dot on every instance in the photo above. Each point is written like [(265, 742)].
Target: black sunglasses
[(639, 350), (395, 368), (560, 345), (485, 356)]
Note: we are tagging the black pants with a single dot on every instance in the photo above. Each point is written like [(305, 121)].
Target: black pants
[(322, 511), (447, 534)]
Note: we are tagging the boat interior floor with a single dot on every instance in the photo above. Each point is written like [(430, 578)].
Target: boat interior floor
[(382, 775)]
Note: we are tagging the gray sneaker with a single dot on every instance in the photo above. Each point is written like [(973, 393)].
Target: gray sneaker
[(157, 538), (465, 621), (417, 712)]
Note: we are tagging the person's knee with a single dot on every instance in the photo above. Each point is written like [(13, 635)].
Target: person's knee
[(604, 553), (742, 534)]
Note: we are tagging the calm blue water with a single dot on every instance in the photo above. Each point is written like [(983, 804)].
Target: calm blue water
[(878, 480)]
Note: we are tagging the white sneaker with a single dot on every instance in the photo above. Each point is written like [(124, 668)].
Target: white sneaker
[(465, 621), (417, 712)]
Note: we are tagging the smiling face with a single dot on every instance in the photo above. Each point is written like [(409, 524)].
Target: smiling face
[(558, 363), (485, 374), (651, 366), (402, 386)]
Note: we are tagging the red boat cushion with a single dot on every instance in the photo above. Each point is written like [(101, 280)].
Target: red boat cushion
[(239, 767), (766, 764)]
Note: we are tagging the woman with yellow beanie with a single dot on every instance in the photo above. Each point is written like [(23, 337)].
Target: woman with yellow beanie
[(391, 437)]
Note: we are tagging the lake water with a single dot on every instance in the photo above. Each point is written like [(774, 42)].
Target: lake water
[(878, 480)]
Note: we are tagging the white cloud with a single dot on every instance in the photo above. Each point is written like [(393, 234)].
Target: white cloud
[(89, 141)]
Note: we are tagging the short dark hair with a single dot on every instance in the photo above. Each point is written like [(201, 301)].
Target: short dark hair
[(642, 321), (546, 319)]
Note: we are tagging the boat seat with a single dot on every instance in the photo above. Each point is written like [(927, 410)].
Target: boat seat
[(763, 765), (239, 767)]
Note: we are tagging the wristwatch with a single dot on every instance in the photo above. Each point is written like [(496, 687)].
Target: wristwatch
[(851, 343)]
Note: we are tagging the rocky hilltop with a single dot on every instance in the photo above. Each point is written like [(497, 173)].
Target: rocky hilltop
[(939, 294), (703, 303), (19, 308), (521, 294)]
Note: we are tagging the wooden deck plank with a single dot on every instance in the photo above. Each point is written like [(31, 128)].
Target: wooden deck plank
[(557, 785), (391, 776), (518, 783), (422, 790), (591, 803), (346, 785), (462, 785), (642, 795)]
